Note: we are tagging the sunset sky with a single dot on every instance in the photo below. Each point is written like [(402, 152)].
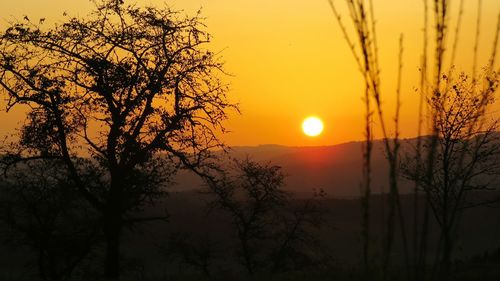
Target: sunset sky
[(288, 60)]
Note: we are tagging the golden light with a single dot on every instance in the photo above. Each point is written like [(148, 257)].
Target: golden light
[(312, 126)]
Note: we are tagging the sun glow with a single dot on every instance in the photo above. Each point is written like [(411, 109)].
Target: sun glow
[(312, 126)]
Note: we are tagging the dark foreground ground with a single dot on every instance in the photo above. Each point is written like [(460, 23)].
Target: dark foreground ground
[(147, 256)]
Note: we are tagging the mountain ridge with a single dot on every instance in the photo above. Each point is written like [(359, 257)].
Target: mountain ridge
[(336, 169)]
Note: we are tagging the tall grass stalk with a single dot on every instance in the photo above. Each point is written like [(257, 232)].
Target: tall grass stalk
[(365, 53), (420, 244), (366, 56)]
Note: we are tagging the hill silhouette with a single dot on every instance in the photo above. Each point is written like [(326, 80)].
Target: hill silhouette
[(336, 169)]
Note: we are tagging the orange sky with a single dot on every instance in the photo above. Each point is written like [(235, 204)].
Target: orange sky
[(289, 60)]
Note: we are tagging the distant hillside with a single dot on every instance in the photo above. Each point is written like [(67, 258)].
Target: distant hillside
[(336, 169)]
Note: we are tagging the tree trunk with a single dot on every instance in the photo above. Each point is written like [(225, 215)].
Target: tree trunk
[(112, 232), (446, 261), (248, 262), (247, 255)]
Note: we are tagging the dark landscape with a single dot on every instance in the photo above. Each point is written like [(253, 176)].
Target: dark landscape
[(344, 140), (148, 252)]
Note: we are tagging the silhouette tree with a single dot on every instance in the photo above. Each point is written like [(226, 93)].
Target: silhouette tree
[(196, 252), (442, 111), (132, 88), (297, 246), (466, 154), (272, 232), (250, 196), (41, 211)]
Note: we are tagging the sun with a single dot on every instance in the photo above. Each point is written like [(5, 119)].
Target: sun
[(312, 126)]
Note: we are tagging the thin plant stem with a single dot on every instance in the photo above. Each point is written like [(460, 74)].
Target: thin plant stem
[(495, 45), (457, 33), (476, 41), (419, 256)]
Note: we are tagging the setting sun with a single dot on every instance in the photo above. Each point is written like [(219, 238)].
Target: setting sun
[(312, 126), (272, 122)]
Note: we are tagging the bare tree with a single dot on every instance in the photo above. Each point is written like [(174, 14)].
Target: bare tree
[(295, 237), (435, 91), (131, 87), (41, 211), (466, 155), (250, 196), (272, 232), (196, 252)]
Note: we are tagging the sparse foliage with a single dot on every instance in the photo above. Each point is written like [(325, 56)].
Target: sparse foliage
[(461, 138), (41, 211), (466, 154), (272, 233), (192, 251), (131, 87)]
